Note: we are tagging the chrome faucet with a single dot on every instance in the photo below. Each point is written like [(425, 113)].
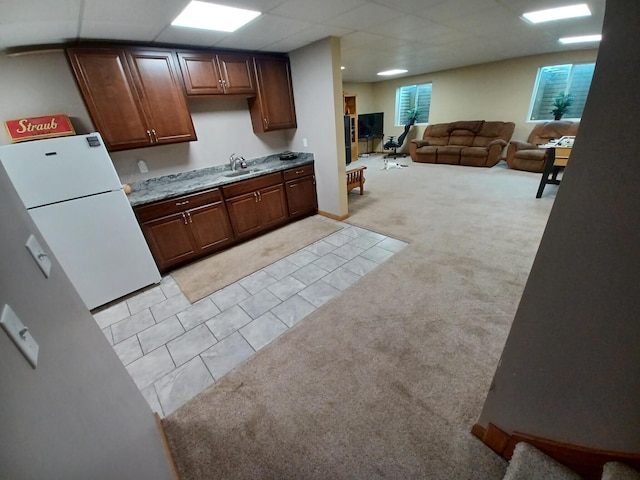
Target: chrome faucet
[(233, 161)]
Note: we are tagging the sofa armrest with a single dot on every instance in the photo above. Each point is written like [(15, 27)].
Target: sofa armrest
[(420, 143), (497, 141), (518, 145)]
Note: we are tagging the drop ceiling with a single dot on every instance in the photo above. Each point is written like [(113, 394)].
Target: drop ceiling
[(417, 35)]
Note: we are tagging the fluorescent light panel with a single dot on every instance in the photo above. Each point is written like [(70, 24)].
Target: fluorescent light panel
[(209, 16), (581, 39), (570, 11), (392, 72)]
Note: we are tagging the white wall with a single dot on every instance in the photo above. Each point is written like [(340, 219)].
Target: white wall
[(78, 414), (570, 368), (317, 83)]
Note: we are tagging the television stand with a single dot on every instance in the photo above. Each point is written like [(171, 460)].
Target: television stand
[(366, 139)]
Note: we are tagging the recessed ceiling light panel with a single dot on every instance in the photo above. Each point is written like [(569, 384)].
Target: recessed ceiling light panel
[(570, 11), (581, 39), (392, 72), (210, 16)]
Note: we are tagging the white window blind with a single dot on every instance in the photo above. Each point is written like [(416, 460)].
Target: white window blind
[(555, 79), (413, 96)]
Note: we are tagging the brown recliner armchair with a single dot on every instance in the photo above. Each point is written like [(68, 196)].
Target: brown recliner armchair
[(527, 155)]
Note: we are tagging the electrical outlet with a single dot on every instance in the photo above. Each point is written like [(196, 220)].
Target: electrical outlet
[(142, 166), (305, 142)]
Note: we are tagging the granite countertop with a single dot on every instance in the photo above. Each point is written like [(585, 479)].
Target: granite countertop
[(167, 186)]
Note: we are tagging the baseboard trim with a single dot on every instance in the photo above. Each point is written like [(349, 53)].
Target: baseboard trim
[(165, 446), (585, 461), (339, 218)]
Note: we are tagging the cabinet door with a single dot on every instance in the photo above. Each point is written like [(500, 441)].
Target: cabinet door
[(273, 206), (301, 196), (273, 107), (200, 73), (105, 82), (169, 239), (237, 73), (244, 214), (210, 226), (156, 78)]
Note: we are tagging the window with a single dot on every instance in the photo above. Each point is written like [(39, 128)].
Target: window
[(573, 79), (413, 96)]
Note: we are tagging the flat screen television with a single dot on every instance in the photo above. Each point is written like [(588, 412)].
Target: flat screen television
[(371, 125)]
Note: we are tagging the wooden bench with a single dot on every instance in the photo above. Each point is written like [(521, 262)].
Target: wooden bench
[(355, 179)]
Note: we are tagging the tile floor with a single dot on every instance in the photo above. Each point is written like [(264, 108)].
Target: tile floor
[(174, 349)]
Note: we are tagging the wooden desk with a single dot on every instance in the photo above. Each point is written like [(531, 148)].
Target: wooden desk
[(557, 159)]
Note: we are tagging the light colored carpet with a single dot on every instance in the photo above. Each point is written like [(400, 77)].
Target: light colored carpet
[(202, 278), (386, 380)]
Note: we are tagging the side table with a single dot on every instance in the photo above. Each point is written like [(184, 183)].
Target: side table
[(557, 159)]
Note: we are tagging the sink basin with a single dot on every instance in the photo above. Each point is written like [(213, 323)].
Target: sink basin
[(239, 173)]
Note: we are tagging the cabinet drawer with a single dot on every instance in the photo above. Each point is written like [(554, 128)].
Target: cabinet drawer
[(177, 204), (298, 172), (251, 185)]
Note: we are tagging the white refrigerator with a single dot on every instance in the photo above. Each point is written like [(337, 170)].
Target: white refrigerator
[(72, 191)]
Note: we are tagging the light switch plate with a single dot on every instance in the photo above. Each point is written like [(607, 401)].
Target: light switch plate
[(20, 335), (38, 254)]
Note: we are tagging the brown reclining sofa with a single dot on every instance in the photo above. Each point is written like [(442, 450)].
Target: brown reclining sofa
[(475, 143)]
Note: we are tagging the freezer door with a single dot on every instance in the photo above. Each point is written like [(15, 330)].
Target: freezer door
[(57, 169), (98, 242)]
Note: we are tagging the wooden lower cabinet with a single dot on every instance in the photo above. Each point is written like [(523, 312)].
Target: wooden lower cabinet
[(258, 210), (300, 185), (182, 229), (175, 237)]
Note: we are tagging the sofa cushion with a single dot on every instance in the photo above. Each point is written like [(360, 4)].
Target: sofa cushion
[(437, 134), (461, 137), (488, 133), (426, 150), (472, 125), (438, 130), (474, 152), (438, 140)]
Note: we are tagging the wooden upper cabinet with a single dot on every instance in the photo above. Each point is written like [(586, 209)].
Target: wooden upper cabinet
[(105, 82), (273, 107), (217, 74), (135, 97), (158, 81)]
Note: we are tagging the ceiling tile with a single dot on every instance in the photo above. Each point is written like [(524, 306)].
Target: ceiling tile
[(365, 16), (263, 31), (319, 11)]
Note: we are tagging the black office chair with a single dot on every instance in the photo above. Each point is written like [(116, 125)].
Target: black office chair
[(396, 144)]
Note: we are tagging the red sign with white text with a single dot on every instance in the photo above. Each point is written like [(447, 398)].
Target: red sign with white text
[(39, 127)]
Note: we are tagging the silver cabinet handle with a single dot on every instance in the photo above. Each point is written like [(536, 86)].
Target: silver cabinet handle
[(184, 217), (153, 130), (255, 195), (189, 215), (149, 135), (259, 197), (299, 171), (182, 203)]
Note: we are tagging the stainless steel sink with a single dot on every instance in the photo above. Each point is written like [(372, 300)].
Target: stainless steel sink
[(239, 173)]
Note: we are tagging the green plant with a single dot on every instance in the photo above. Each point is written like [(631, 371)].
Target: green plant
[(412, 115), (561, 104)]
